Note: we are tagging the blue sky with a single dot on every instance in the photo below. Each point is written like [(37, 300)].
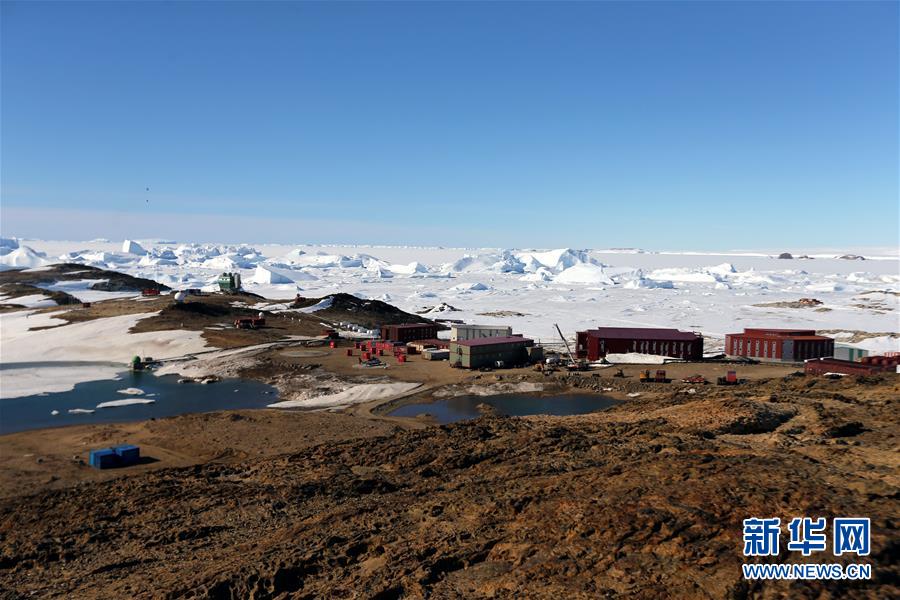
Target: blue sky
[(675, 125)]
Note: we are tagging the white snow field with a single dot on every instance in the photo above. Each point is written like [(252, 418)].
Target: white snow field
[(58, 357), (530, 290), (357, 394)]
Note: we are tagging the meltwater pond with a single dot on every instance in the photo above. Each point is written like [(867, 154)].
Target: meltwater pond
[(461, 408), (168, 397)]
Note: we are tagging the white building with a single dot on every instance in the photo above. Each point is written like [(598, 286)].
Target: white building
[(845, 352), (460, 332)]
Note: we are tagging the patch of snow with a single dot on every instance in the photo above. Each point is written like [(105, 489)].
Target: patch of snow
[(125, 402), (322, 304), (30, 301), (106, 342), (357, 394), (635, 358), (132, 391)]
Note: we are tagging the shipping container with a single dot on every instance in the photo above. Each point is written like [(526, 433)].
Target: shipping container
[(127, 454), (105, 458)]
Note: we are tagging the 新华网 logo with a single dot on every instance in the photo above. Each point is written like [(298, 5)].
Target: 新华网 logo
[(849, 535)]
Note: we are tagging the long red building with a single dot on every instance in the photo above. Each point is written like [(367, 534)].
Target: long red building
[(409, 332), (594, 344), (779, 345), (821, 366)]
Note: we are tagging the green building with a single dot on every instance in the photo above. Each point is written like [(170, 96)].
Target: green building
[(487, 352), (229, 282)]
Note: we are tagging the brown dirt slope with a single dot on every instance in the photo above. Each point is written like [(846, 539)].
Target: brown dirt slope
[(642, 501), (31, 461)]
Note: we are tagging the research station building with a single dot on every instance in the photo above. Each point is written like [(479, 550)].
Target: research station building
[(460, 331), (409, 332), (779, 345), (851, 353), (486, 352), (867, 365), (595, 344)]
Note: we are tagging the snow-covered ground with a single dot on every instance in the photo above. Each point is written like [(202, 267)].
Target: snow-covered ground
[(57, 356), (357, 394), (527, 289)]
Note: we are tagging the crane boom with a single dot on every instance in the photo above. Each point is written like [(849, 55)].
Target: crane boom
[(572, 360)]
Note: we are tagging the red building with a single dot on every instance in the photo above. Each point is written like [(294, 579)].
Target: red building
[(784, 345), (409, 332), (820, 366), (594, 344)]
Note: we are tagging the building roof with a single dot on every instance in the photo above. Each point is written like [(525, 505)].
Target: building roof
[(786, 334), (642, 333), (410, 325), (834, 361), (433, 341), (491, 341), (776, 331)]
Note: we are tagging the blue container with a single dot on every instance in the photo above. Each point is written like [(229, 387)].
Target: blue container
[(103, 459), (128, 454)]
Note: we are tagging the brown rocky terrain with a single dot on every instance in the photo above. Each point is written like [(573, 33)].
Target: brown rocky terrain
[(645, 500), (106, 280)]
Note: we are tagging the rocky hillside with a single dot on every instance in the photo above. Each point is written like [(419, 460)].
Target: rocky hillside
[(645, 501), (107, 281), (368, 313)]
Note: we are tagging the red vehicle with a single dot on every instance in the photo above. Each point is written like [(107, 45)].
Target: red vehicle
[(150, 292), (249, 323)]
